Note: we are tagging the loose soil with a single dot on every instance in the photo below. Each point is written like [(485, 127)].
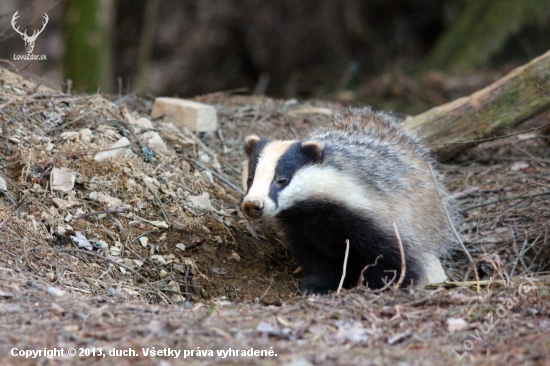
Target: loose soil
[(168, 272)]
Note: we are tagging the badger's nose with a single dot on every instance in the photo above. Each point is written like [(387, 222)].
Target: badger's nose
[(253, 208)]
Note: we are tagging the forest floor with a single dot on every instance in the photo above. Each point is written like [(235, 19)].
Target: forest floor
[(175, 267)]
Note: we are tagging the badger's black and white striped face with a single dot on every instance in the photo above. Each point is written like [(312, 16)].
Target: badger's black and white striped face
[(276, 173)]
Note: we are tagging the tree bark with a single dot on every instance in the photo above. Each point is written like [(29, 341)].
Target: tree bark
[(449, 129)]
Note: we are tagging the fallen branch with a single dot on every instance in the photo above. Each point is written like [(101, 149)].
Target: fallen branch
[(494, 110)]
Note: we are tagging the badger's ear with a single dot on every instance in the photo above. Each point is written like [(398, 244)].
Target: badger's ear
[(250, 143), (313, 150)]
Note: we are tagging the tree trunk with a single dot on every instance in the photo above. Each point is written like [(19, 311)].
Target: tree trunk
[(481, 30), (88, 44), (494, 110)]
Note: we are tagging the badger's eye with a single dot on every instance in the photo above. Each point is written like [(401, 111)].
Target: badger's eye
[(250, 180), (282, 181)]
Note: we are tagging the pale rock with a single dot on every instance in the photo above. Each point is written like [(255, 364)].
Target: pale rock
[(69, 136), (204, 158), (68, 218), (128, 263), (56, 291), (186, 114), (144, 123), (201, 202), (208, 177), (49, 146), (61, 231), (158, 258), (143, 241), (517, 166), (62, 179), (434, 271), (163, 273), (85, 135), (62, 204), (81, 240), (235, 256), (456, 324), (3, 185), (115, 251), (181, 246), (115, 150), (154, 141), (111, 202)]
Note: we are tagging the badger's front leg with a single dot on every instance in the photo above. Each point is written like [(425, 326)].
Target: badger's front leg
[(319, 277)]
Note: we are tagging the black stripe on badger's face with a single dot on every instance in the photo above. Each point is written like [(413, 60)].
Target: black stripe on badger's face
[(298, 155)]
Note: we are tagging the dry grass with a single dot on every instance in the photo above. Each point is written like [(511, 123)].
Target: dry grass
[(233, 285)]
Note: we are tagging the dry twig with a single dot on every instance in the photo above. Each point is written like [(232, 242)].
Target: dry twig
[(452, 226), (73, 250), (402, 252), (344, 269)]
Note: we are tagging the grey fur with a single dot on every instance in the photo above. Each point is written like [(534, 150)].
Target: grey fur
[(385, 157)]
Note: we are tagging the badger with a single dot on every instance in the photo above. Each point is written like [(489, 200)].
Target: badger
[(358, 180)]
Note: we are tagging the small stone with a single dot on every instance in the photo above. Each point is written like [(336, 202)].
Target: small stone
[(201, 202), (144, 123), (115, 251), (61, 231), (115, 150), (62, 179), (85, 135), (154, 141), (81, 240), (186, 114), (143, 241), (208, 177), (3, 185), (176, 226), (181, 246), (517, 166), (456, 324), (62, 204), (69, 136), (163, 273), (235, 256), (68, 218), (55, 291), (158, 258), (112, 203), (204, 158), (49, 146)]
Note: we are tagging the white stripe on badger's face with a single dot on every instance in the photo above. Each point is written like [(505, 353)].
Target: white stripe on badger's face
[(325, 182), (264, 174)]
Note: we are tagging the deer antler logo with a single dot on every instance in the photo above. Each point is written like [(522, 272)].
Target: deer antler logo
[(29, 41)]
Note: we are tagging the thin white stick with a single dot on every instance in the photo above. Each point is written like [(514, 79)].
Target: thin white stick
[(345, 267), (454, 230), (402, 252)]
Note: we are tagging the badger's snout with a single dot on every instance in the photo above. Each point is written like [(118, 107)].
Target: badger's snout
[(253, 208)]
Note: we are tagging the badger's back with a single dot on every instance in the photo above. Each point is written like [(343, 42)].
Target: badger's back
[(350, 182)]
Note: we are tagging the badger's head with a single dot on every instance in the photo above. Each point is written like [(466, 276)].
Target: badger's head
[(276, 174)]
